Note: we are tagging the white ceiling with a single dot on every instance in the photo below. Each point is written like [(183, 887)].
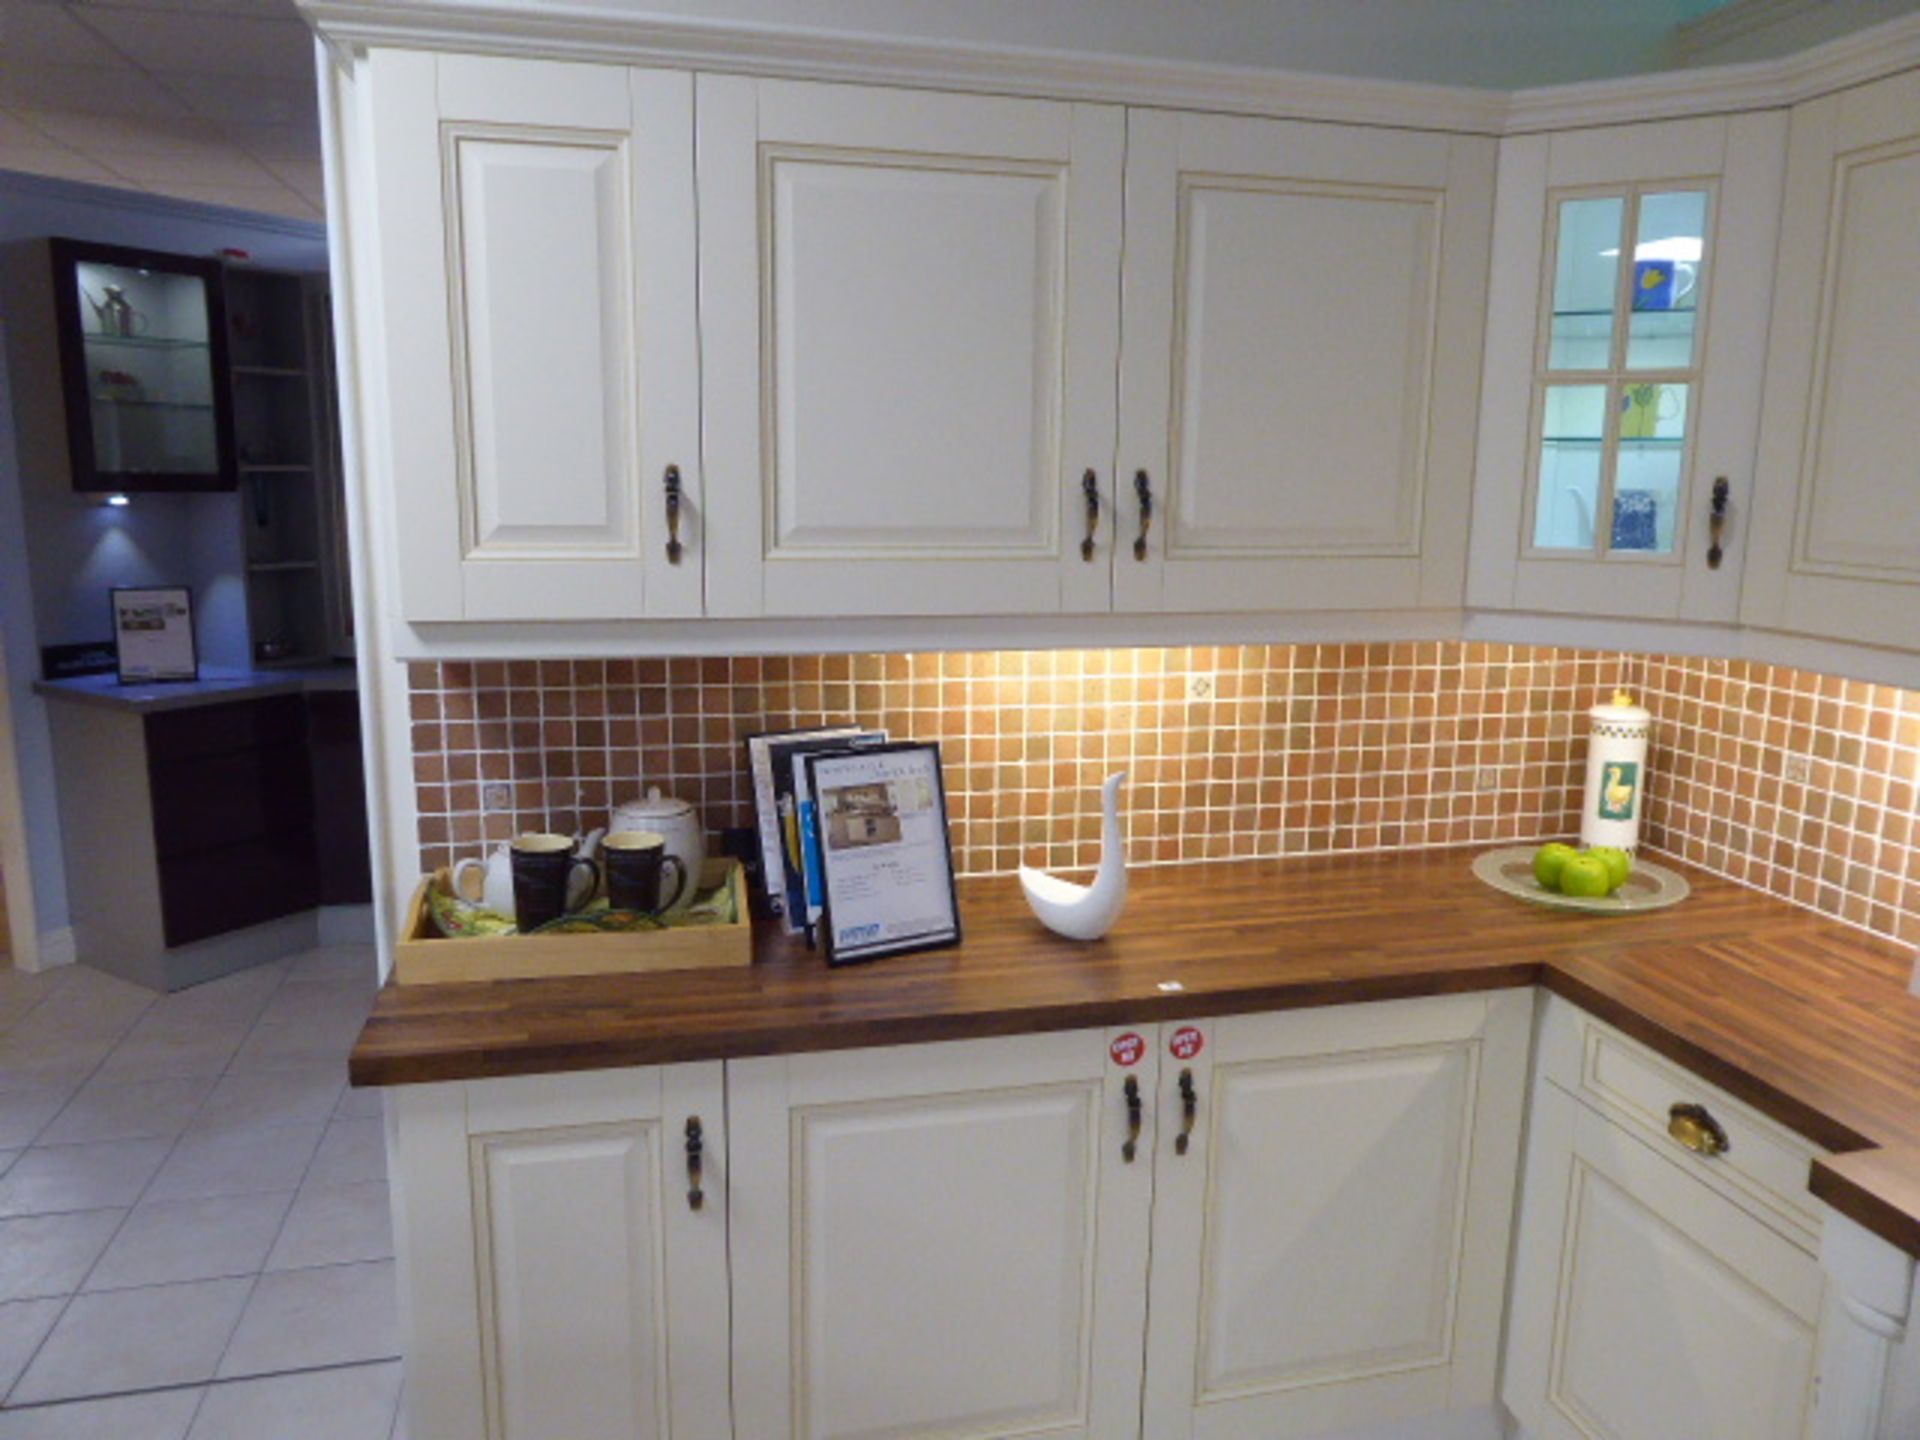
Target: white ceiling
[(213, 100), (209, 100)]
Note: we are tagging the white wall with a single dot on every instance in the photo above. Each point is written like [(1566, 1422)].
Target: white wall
[(58, 551)]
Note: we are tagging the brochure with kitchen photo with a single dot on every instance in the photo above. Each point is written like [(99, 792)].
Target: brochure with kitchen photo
[(785, 756), (766, 802), (886, 864)]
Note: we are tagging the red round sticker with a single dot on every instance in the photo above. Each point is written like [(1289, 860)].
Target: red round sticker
[(1127, 1049), (1186, 1043)]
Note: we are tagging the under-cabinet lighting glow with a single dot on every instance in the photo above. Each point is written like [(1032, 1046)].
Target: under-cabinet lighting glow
[(119, 502)]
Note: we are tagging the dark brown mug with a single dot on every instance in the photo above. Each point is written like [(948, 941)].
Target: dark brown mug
[(636, 860), (542, 867)]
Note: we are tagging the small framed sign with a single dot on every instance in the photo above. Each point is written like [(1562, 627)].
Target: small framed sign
[(885, 857), (153, 634)]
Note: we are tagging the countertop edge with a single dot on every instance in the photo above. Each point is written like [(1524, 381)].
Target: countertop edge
[(159, 696)]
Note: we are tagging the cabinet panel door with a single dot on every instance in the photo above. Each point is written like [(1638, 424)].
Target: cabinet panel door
[(1297, 299), (1837, 530), (939, 1240), (537, 270), (1735, 162), (1646, 1305), (560, 1282), (910, 330), (1329, 1249)]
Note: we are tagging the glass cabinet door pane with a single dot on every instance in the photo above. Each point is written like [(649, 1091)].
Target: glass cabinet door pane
[(1669, 258), (1573, 445), (1652, 456), (1586, 270), (149, 370)]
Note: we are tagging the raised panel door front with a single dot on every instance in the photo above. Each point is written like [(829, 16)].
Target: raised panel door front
[(1329, 1247), (939, 1240), (1296, 300), (537, 269), (909, 347), (1677, 1314), (1836, 528), (570, 1244)]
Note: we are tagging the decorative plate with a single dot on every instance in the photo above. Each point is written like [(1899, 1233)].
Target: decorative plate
[(1649, 887)]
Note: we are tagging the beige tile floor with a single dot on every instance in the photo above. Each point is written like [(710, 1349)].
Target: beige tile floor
[(194, 1235)]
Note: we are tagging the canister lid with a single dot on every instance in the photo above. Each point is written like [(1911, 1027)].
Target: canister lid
[(657, 806), (1622, 711)]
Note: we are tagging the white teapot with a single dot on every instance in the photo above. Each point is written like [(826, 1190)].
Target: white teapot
[(496, 877), (679, 824)]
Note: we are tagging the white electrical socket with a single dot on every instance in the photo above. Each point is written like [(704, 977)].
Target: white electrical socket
[(1200, 687), (496, 795), (1797, 770)]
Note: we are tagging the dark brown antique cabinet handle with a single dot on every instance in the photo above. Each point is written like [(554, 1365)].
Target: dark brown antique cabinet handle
[(696, 1144), (1717, 522), (1090, 487), (672, 482), (1189, 1110), (1132, 1145), (1694, 1128), (1143, 488)]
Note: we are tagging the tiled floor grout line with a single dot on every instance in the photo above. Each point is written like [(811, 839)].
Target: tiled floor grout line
[(202, 1385)]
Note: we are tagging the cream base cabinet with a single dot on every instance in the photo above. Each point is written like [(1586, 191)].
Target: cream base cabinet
[(549, 1246), (1647, 1303), (942, 1240), (534, 263), (1330, 1237), (1300, 366), (1836, 534), (909, 311)]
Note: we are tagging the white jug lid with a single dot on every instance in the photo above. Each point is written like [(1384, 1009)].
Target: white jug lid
[(657, 806)]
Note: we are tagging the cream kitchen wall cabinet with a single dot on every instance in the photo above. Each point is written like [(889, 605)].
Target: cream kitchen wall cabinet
[(1299, 376), (909, 309), (553, 1248), (951, 1239), (1836, 540), (1626, 337), (540, 350)]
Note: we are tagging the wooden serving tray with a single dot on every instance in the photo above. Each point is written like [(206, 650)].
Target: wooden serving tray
[(424, 956)]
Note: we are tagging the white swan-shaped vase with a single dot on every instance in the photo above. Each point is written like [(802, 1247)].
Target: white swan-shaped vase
[(1085, 912)]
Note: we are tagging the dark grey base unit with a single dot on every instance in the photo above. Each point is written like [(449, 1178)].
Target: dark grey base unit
[(191, 835)]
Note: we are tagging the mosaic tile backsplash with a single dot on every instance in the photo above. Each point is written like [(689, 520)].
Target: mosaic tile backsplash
[(1234, 752)]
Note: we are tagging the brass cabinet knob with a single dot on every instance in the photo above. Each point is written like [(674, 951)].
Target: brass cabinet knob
[(1694, 1128)]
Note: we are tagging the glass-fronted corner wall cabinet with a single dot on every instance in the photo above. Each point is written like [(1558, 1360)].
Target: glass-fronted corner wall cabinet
[(143, 366), (1618, 370)]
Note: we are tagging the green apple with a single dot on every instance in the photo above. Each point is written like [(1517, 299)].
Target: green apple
[(1585, 876), (1548, 860), (1618, 862)]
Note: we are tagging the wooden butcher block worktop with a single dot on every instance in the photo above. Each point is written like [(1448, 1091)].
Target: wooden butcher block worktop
[(1806, 1019)]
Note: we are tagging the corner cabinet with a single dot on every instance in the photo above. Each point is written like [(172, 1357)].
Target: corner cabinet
[(1836, 542), (1626, 334), (540, 353), (1666, 1281), (552, 1247), (1296, 425)]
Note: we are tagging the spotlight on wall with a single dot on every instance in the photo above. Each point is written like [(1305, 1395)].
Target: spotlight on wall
[(119, 502)]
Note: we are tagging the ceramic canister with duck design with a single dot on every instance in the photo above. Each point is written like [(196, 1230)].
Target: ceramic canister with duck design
[(1616, 774)]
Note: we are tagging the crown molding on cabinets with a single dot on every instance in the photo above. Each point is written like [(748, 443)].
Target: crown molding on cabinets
[(601, 33), (588, 32), (1869, 54)]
